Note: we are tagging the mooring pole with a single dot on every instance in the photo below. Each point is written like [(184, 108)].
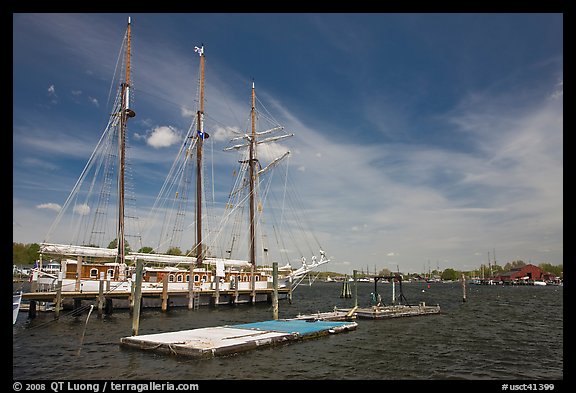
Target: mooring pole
[(290, 290), (275, 290), (463, 288), (58, 305), (165, 292), (101, 295), (137, 298), (355, 289)]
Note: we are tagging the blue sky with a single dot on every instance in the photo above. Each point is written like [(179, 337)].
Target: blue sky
[(420, 139)]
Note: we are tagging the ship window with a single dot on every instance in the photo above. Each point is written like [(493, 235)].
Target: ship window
[(93, 273), (171, 278), (204, 278), (257, 278), (187, 278), (196, 278), (179, 278), (110, 273)]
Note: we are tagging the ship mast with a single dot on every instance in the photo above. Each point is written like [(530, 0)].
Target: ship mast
[(199, 145), (125, 114), (200, 136), (252, 162), (253, 173)]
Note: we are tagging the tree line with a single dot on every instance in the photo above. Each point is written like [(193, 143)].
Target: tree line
[(27, 254)]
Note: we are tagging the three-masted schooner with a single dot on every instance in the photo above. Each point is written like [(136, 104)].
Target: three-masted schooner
[(205, 277)]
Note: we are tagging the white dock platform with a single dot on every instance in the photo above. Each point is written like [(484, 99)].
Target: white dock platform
[(228, 340)]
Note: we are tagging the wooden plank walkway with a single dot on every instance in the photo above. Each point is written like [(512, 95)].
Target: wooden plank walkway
[(50, 296), (394, 311), (228, 340), (336, 315)]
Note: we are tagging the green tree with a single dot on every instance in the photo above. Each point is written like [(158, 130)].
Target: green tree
[(449, 274), (513, 265), (384, 272), (174, 251), (549, 268), (114, 244), (24, 254), (146, 250)]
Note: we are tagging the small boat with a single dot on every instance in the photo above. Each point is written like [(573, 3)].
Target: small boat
[(16, 301)]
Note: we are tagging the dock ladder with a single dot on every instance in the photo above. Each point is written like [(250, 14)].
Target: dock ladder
[(195, 300)]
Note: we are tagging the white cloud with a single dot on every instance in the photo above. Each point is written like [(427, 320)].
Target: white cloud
[(94, 101), (224, 134), (52, 94), (50, 206), (163, 136), (82, 209), (187, 112)]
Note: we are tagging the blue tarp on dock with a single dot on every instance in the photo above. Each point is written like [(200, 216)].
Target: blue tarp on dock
[(301, 327), (229, 340)]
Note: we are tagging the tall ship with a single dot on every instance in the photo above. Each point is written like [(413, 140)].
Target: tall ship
[(229, 263)]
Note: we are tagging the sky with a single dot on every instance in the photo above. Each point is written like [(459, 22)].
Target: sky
[(420, 140)]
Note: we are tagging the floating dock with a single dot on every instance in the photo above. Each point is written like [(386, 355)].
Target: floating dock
[(394, 311), (228, 340), (336, 315)]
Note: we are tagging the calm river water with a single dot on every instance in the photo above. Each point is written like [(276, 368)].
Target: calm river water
[(499, 333)]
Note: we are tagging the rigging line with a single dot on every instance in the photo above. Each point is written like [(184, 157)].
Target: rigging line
[(267, 114), (279, 238), (84, 331), (225, 217), (284, 193), (167, 186), (101, 154), (299, 199), (52, 321), (291, 233), (302, 223), (76, 185), (158, 98), (118, 60), (106, 165)]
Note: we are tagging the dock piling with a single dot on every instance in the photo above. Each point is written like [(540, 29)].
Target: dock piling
[(32, 310), (165, 292), (275, 292), (137, 298), (355, 288), (34, 284), (101, 295), (58, 305)]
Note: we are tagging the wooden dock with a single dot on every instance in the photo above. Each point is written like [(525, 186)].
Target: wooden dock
[(156, 298), (336, 315), (229, 340), (393, 311)]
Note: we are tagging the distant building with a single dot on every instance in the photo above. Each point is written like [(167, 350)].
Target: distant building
[(525, 273)]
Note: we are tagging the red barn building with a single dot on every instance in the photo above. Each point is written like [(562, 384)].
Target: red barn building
[(525, 273)]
